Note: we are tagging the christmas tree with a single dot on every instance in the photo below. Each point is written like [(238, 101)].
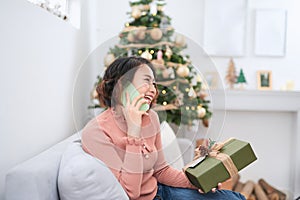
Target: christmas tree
[(231, 76), (149, 34), (241, 80)]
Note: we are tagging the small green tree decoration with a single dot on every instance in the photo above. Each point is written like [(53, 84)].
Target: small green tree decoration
[(241, 80)]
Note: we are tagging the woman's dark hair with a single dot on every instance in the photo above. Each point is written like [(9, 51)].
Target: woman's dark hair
[(121, 70)]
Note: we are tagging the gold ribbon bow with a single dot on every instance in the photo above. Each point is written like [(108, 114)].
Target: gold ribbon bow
[(214, 152)]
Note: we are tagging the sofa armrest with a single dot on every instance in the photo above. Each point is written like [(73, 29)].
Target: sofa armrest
[(36, 178), (187, 149)]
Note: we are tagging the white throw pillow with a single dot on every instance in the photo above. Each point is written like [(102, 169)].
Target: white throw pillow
[(171, 148), (83, 177)]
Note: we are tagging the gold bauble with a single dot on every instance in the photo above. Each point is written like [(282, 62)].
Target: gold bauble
[(109, 58), (141, 34), (183, 71), (160, 8), (130, 37), (201, 112), (165, 73), (168, 52), (198, 78), (156, 34), (136, 13), (180, 40), (146, 55)]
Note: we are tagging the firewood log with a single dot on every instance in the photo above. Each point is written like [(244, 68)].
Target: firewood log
[(269, 189), (239, 186), (273, 196), (247, 189), (252, 197), (235, 179), (259, 192)]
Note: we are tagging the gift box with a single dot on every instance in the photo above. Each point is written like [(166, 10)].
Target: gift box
[(225, 162)]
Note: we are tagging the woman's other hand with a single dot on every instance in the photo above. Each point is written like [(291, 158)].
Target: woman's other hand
[(214, 189)]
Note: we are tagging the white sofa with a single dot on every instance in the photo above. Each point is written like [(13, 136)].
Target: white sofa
[(60, 174)]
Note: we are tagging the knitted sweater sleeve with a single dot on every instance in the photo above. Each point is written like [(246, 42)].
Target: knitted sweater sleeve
[(166, 174)]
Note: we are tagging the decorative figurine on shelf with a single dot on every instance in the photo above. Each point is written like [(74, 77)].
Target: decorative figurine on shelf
[(231, 76), (241, 80)]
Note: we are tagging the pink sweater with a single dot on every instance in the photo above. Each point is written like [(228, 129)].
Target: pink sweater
[(138, 164)]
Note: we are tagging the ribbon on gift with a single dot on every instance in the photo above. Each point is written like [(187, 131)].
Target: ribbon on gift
[(214, 152)]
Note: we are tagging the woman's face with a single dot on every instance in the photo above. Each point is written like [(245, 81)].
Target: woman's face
[(144, 82)]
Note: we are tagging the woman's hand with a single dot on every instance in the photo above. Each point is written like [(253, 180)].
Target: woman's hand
[(214, 189), (133, 114)]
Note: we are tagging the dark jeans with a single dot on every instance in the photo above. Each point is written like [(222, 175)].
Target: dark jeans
[(165, 192)]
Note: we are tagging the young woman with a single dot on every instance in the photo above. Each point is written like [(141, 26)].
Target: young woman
[(127, 138)]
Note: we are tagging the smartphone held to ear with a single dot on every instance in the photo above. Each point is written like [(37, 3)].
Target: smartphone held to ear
[(133, 93)]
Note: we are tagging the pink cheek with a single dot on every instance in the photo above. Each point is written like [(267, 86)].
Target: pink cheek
[(143, 88)]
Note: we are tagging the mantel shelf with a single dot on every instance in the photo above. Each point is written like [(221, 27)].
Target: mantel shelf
[(254, 100)]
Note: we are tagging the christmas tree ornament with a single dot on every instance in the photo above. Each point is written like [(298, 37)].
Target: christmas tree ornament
[(156, 34), (183, 71), (201, 112), (192, 93), (153, 10), (159, 55), (165, 73), (160, 8), (129, 52), (231, 74), (180, 40), (147, 55), (168, 52), (109, 58), (131, 37), (141, 34), (202, 95), (198, 78), (136, 12)]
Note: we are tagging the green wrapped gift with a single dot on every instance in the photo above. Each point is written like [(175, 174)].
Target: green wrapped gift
[(211, 170)]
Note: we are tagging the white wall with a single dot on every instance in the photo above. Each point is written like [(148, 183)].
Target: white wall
[(189, 21), (40, 55)]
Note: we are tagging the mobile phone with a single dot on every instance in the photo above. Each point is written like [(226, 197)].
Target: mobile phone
[(133, 93)]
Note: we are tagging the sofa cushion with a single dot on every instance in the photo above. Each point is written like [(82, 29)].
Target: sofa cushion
[(171, 148), (82, 176)]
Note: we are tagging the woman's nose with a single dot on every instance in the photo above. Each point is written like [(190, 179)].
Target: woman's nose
[(152, 88)]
